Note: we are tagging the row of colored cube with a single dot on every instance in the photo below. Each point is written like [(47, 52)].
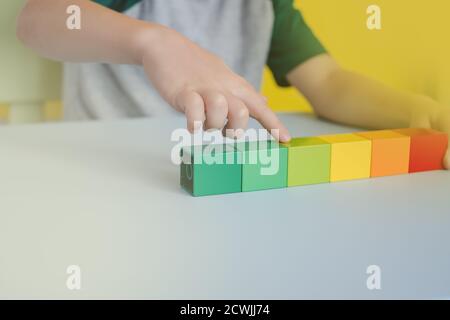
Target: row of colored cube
[(330, 158)]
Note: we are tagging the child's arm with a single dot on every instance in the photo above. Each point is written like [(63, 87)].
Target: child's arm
[(349, 98), (188, 77)]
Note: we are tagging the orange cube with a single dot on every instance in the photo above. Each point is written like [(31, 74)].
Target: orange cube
[(390, 152)]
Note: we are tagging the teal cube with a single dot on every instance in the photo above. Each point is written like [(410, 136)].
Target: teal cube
[(265, 165), (211, 170)]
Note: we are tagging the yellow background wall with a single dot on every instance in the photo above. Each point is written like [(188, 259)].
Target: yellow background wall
[(408, 53)]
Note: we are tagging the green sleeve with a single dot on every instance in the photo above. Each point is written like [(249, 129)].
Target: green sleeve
[(118, 5), (293, 42)]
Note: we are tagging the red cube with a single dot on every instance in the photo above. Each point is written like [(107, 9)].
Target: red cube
[(428, 149)]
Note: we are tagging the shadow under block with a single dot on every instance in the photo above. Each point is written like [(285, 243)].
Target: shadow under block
[(264, 165), (390, 152), (309, 161), (210, 170), (428, 148), (350, 157)]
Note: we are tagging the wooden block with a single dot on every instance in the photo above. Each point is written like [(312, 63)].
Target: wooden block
[(4, 112), (309, 161), (350, 156), (427, 150), (390, 152), (53, 110), (264, 165), (210, 170)]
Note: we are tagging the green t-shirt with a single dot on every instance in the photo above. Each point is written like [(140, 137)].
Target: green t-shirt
[(293, 42)]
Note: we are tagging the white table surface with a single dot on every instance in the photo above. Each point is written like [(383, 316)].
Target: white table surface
[(105, 196)]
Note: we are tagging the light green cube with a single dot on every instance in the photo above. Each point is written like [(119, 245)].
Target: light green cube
[(264, 165), (309, 161)]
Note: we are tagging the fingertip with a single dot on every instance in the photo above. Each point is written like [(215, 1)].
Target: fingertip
[(284, 135), (193, 129), (198, 125), (280, 135), (285, 138), (194, 126)]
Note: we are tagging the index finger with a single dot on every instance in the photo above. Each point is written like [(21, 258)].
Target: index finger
[(260, 111)]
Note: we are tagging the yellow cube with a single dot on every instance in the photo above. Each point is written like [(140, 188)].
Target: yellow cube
[(53, 111), (350, 157), (4, 112)]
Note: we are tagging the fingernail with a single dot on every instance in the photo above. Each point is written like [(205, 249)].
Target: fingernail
[(198, 125), (285, 137), (239, 133)]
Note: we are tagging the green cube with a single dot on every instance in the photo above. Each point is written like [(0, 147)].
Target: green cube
[(264, 165), (210, 170), (309, 161)]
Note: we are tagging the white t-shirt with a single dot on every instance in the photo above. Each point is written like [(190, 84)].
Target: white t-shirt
[(238, 31)]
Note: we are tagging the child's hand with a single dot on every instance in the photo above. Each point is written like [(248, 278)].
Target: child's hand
[(199, 84), (191, 79), (432, 115)]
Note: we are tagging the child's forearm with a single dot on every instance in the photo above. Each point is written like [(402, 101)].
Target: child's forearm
[(105, 36), (349, 98), (356, 100)]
